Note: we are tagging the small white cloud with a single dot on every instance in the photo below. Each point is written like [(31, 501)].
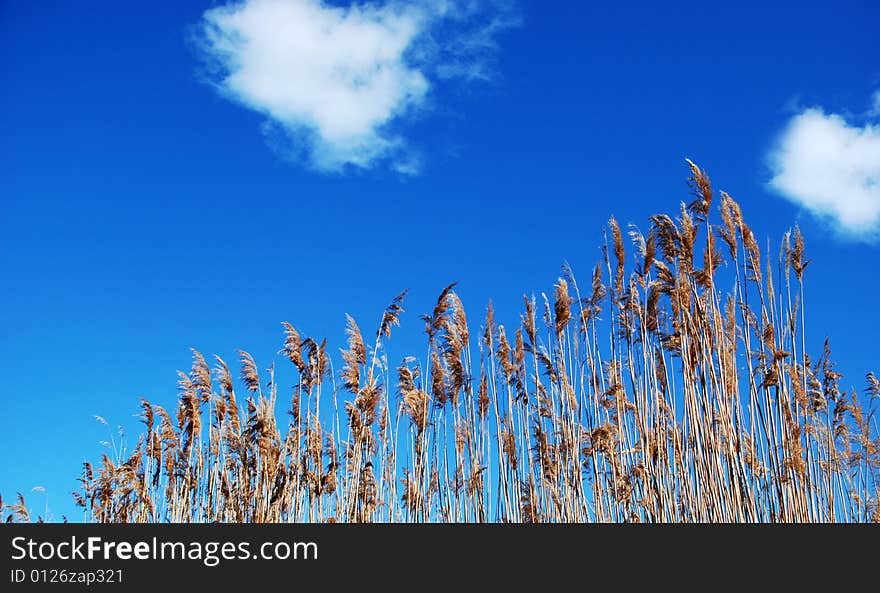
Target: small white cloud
[(831, 167), (338, 80)]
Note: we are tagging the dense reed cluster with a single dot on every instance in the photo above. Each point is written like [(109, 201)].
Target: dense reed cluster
[(655, 395)]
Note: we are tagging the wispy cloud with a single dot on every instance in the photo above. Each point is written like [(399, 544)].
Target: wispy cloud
[(875, 108), (830, 165), (339, 82)]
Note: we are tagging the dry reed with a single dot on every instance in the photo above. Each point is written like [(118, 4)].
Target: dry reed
[(657, 397)]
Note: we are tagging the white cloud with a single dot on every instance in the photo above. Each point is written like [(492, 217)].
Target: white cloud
[(338, 81), (831, 167)]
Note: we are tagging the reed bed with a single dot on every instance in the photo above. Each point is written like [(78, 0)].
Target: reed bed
[(675, 387)]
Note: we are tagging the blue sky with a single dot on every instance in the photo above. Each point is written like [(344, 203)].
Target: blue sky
[(168, 180)]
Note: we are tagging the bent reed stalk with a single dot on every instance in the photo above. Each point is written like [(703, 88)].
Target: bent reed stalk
[(654, 396)]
